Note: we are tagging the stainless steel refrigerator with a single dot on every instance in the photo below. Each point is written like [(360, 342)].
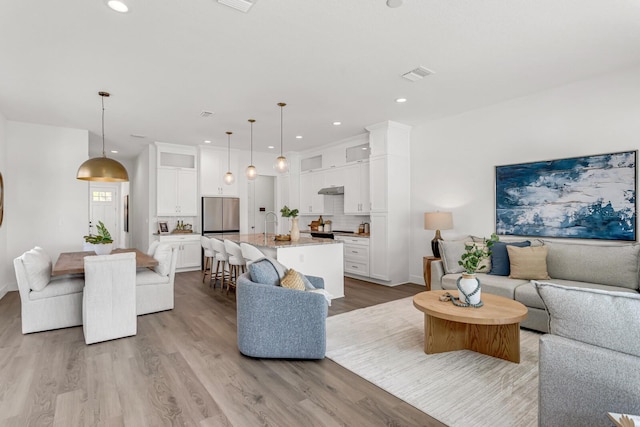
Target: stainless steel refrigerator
[(220, 215)]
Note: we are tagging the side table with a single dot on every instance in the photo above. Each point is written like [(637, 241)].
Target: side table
[(426, 270)]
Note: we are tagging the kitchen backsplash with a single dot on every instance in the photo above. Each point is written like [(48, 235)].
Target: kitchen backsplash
[(339, 221)]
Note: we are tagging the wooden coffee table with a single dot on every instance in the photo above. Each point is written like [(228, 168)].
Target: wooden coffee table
[(493, 329)]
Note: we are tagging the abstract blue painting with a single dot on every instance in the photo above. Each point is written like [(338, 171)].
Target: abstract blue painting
[(591, 197)]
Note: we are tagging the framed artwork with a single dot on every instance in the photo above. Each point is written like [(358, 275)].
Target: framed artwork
[(590, 197), (126, 213), (163, 227)]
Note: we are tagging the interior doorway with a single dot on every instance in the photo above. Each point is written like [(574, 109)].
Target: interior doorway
[(103, 207), (261, 199)]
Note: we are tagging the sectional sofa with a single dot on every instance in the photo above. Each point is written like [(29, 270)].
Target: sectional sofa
[(610, 266)]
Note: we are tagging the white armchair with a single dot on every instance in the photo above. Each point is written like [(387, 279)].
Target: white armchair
[(109, 301), (46, 304), (154, 288)]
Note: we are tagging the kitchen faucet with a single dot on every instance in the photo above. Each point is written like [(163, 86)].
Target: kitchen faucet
[(275, 220)]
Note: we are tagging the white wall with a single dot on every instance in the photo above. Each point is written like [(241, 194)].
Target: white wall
[(453, 159), (45, 205), (6, 263), (142, 196)]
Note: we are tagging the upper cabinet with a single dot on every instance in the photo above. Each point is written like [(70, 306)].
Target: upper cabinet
[(356, 189), (310, 201), (214, 164), (177, 180)]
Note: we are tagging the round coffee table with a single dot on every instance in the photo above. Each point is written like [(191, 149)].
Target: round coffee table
[(493, 329)]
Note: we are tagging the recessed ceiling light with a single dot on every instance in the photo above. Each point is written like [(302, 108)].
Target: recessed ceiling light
[(114, 151), (401, 100), (337, 123), (298, 136), (271, 147), (206, 141), (365, 148), (118, 5), (394, 3)]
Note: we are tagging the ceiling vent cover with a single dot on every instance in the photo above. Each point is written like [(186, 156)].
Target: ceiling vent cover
[(417, 74), (206, 114), (241, 5)]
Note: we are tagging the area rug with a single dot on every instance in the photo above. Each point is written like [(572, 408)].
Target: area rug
[(384, 344)]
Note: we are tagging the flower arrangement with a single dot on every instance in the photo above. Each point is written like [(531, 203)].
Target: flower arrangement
[(288, 213), (102, 238), (472, 259)]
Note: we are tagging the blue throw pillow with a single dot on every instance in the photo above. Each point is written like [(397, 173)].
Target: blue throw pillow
[(266, 271), (500, 257), (307, 284)]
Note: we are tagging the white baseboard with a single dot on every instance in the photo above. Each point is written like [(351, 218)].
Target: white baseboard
[(418, 280), (4, 290)]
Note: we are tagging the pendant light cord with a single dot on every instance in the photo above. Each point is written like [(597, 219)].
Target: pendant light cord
[(281, 145), (229, 152), (103, 153), (251, 141)]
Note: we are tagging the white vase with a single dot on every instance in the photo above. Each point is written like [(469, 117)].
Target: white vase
[(103, 248), (468, 283), (295, 231)]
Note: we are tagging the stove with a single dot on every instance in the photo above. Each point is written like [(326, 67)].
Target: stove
[(329, 235)]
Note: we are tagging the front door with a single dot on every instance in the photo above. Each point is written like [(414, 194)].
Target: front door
[(104, 207)]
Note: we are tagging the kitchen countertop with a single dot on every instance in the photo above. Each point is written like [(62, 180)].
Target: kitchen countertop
[(337, 233), (258, 240)]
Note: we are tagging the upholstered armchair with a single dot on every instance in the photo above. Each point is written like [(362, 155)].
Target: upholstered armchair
[(276, 322), (154, 288), (109, 300), (46, 303)]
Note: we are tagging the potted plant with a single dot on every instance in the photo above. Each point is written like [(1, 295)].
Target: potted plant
[(471, 261), (293, 215), (102, 242)]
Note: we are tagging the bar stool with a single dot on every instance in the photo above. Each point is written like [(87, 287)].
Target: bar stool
[(209, 254), (237, 264), (222, 260), (250, 253)]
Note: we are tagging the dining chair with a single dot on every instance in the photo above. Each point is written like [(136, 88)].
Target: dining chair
[(209, 254), (250, 253), (155, 287), (237, 264), (222, 262)]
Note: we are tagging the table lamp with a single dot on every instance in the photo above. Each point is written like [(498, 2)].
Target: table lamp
[(437, 221)]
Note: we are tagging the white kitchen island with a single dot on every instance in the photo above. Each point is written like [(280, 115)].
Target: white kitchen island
[(310, 256)]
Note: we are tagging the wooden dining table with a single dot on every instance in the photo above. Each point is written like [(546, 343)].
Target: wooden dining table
[(73, 262)]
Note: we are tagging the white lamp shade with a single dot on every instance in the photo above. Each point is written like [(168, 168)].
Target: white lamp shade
[(438, 221), (228, 178), (251, 172), (282, 165)]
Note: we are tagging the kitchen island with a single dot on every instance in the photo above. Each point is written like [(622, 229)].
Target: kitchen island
[(309, 256)]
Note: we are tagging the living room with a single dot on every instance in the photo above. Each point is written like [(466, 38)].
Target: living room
[(453, 155)]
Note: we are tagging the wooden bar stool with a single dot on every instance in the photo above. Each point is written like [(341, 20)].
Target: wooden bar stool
[(209, 255), (237, 264), (222, 261)]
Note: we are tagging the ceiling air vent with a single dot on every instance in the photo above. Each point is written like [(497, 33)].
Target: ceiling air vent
[(241, 5), (417, 74), (206, 114)]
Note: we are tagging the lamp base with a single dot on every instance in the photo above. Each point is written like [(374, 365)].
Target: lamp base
[(435, 247)]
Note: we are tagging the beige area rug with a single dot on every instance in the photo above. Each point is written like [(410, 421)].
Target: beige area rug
[(385, 345)]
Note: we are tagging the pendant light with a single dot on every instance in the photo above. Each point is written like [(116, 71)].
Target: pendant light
[(282, 165), (251, 172), (102, 168), (228, 177)]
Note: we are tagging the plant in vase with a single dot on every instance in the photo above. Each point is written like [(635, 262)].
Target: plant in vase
[(102, 242), (472, 262), (293, 214)]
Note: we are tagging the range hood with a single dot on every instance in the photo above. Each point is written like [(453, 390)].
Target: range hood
[(331, 191)]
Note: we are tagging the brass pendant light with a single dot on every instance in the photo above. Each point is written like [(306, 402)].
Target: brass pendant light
[(251, 172), (102, 169), (282, 165), (228, 177)]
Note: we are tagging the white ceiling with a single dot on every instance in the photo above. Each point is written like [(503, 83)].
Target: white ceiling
[(167, 60)]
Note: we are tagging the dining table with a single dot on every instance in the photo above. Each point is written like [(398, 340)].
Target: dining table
[(73, 262)]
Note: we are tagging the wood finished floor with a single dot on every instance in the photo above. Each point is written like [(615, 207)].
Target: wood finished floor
[(183, 368)]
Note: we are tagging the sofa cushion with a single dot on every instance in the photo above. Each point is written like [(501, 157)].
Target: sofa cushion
[(528, 263), (528, 295), (292, 280), (267, 271), (500, 257), (593, 316), (496, 285), (38, 267), (150, 277), (163, 256), (615, 265), (58, 287), (450, 253)]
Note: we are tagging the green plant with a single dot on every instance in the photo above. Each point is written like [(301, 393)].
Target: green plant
[(474, 255), (288, 213), (103, 236)]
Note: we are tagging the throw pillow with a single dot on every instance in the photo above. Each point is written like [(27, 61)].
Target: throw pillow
[(450, 253), (163, 256), (500, 257), (38, 267), (266, 271), (529, 263), (292, 280)]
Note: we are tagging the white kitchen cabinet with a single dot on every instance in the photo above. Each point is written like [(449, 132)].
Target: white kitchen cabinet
[(378, 184), (189, 250), (310, 201), (356, 189), (177, 192), (379, 247), (214, 164), (334, 177), (356, 255)]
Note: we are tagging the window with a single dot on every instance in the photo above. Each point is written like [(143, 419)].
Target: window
[(101, 196)]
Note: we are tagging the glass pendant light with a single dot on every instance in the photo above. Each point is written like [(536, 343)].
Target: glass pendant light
[(228, 177), (282, 165), (102, 168), (251, 172)]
